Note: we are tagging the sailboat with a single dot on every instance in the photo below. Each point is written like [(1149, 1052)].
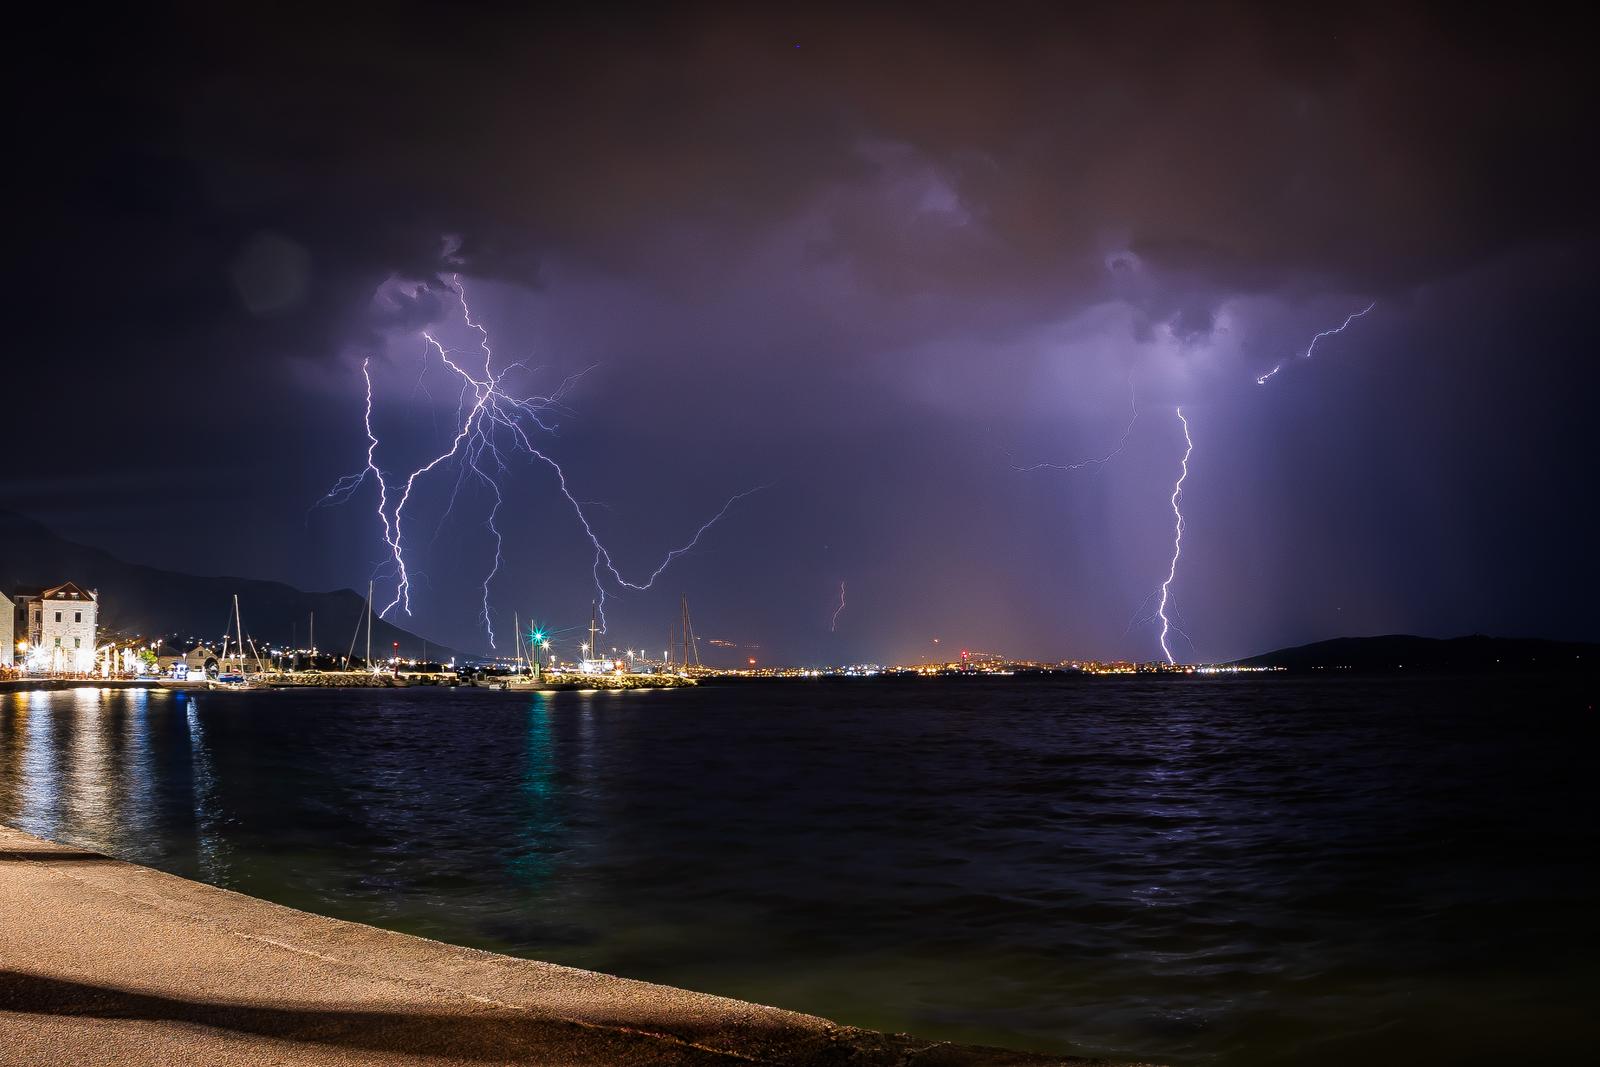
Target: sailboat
[(365, 617), (240, 679)]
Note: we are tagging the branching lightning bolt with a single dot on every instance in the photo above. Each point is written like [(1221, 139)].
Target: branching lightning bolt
[(834, 626), (1312, 347), (491, 422), (1133, 403), (1177, 539), (602, 556)]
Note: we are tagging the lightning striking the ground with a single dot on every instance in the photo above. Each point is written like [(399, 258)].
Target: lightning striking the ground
[(1177, 539), (491, 425), (1133, 404), (1165, 609), (1312, 347), (834, 626)]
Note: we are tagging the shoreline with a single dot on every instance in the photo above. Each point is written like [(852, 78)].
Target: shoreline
[(51, 685), (345, 681), (107, 962)]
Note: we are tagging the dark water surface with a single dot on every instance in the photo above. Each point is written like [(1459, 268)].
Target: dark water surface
[(1192, 872)]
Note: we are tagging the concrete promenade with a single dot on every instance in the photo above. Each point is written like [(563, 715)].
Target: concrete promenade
[(105, 962)]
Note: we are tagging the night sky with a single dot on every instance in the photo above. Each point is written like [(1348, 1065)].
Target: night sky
[(872, 262)]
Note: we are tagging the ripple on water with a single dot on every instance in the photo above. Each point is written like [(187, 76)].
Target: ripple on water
[(1191, 872)]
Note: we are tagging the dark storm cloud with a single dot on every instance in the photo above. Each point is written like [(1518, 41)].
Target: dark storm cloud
[(1232, 149)]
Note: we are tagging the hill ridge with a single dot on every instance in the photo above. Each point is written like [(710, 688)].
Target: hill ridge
[(1401, 652), (139, 598)]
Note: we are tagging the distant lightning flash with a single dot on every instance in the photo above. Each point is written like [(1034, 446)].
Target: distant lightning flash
[(490, 424), (602, 555), (1133, 403), (834, 626), (1177, 538), (1312, 347)]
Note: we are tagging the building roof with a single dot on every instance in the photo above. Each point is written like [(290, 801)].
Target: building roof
[(66, 591)]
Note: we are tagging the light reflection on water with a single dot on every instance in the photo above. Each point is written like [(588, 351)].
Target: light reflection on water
[(1186, 872)]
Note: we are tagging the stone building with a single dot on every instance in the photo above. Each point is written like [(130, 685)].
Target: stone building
[(61, 629), (201, 659), (8, 632)]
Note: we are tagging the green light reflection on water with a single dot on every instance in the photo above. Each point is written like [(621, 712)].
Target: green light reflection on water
[(543, 827)]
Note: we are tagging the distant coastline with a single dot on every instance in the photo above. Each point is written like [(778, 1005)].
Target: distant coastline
[(1407, 653)]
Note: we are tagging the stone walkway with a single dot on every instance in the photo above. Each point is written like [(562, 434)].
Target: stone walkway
[(105, 962)]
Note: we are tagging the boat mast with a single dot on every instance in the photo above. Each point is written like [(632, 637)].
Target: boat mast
[(689, 639), (369, 626), (238, 622)]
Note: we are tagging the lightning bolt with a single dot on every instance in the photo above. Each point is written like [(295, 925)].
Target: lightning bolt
[(347, 486), (1312, 347), (1177, 538), (491, 422), (1165, 590), (602, 556), (834, 626), (1133, 403)]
